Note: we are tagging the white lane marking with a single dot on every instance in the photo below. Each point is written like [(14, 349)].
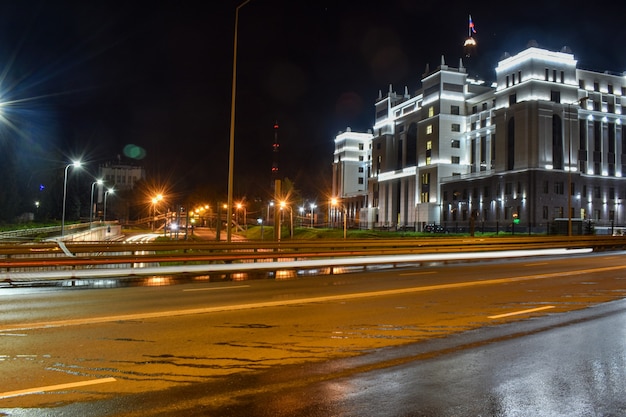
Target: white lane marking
[(282, 303), (58, 387), (515, 313), (216, 288), (418, 273)]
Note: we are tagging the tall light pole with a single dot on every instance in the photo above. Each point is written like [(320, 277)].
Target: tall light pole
[(312, 214), (107, 192), (245, 214), (344, 212), (75, 164), (155, 201), (569, 161), (269, 205), (91, 205), (231, 152)]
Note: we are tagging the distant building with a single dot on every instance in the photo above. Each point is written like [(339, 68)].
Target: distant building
[(351, 169), (543, 142), (121, 176)]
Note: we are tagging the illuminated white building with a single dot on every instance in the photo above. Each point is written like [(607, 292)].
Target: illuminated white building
[(545, 139), (351, 169)]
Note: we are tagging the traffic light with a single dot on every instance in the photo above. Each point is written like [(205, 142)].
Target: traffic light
[(515, 218)]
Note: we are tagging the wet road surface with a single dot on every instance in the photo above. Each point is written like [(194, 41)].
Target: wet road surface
[(354, 345)]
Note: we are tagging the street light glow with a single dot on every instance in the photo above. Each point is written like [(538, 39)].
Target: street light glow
[(107, 192), (75, 164), (91, 205)]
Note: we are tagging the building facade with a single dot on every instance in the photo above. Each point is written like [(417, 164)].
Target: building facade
[(542, 143), (351, 169), (121, 176)]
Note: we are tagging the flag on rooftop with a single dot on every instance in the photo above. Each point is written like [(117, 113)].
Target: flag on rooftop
[(471, 26)]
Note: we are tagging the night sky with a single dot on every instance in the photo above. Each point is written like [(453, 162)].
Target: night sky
[(88, 78)]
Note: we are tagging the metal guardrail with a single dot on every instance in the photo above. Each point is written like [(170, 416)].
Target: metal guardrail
[(80, 259), (328, 266)]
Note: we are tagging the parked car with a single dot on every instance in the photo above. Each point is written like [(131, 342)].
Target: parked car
[(434, 228)]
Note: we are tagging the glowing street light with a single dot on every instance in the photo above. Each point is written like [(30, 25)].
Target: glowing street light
[(91, 205), (75, 164), (155, 201), (107, 192), (245, 214)]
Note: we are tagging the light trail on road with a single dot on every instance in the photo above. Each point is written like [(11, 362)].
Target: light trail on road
[(295, 301)]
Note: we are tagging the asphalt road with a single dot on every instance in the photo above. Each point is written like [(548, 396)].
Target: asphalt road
[(381, 343)]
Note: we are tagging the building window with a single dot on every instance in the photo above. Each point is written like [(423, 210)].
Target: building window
[(455, 144), (456, 127), (596, 86), (558, 212), (546, 187), (360, 146), (429, 145), (454, 110), (512, 99), (558, 187), (360, 169), (431, 111), (557, 143), (360, 157), (429, 129), (508, 188), (428, 160), (555, 96), (545, 212), (456, 160), (510, 145), (360, 180)]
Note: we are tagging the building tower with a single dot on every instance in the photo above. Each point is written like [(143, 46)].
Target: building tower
[(275, 150), (275, 186)]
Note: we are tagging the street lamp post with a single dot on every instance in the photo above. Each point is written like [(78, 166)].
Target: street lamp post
[(269, 206), (75, 164), (569, 161), (231, 152), (335, 202), (106, 193), (245, 214), (280, 218), (155, 201), (91, 205), (312, 214)]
